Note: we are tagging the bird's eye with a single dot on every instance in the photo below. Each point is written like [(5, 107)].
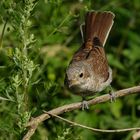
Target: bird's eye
[(81, 75)]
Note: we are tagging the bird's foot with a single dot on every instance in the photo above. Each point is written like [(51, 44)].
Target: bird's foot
[(112, 95), (84, 105)]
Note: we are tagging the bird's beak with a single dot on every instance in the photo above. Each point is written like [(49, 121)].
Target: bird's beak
[(71, 83)]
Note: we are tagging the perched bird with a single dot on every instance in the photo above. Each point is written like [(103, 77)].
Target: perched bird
[(88, 71)]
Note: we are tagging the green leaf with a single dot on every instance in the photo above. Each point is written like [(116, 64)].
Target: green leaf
[(116, 108), (114, 61)]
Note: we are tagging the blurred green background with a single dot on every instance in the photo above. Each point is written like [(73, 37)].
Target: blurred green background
[(55, 25)]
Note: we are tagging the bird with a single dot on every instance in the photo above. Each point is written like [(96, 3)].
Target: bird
[(88, 71)]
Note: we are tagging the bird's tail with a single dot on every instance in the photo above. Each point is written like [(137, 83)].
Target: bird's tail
[(98, 25)]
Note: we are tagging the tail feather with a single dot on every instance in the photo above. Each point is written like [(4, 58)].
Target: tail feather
[(98, 24)]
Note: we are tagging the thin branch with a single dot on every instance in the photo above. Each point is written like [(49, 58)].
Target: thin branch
[(30, 132), (4, 99), (94, 129), (67, 108), (2, 34)]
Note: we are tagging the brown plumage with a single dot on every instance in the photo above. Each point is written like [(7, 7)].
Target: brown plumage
[(97, 27), (88, 71), (98, 24)]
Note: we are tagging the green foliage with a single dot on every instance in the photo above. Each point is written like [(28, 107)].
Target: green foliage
[(66, 135), (38, 39)]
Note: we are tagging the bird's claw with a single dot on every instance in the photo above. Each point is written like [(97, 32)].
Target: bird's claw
[(84, 105), (112, 95)]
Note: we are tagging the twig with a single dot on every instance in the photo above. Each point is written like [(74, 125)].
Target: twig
[(30, 132), (4, 99), (67, 108), (94, 129), (2, 34)]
